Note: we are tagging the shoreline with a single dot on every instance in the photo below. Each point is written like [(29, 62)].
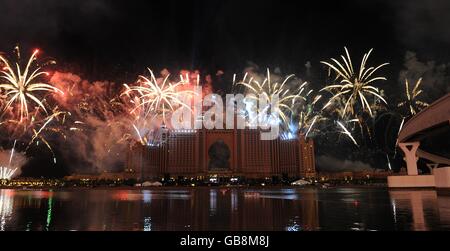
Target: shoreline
[(384, 186)]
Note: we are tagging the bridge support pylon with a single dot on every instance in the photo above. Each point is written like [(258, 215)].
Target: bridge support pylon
[(413, 179), (409, 149)]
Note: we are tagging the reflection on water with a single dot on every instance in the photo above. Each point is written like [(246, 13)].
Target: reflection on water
[(224, 209), (419, 210), (5, 207), (49, 211), (147, 224)]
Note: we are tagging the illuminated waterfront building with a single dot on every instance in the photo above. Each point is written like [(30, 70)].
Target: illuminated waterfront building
[(222, 153)]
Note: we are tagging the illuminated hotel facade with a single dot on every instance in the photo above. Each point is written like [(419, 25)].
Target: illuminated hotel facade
[(222, 153)]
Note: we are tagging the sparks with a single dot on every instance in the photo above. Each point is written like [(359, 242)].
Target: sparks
[(21, 87), (158, 97), (278, 98), (6, 172), (346, 132), (412, 102), (309, 116), (353, 86), (12, 153)]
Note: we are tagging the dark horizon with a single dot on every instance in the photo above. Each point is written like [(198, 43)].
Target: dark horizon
[(115, 41)]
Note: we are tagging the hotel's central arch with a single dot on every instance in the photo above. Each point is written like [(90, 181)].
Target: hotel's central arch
[(219, 156), (219, 153)]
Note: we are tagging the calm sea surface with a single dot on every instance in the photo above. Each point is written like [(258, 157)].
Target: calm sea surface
[(285, 209)]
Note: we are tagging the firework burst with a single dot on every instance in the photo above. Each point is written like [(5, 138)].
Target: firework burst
[(353, 87), (21, 85), (279, 99), (157, 96), (412, 102), (308, 115), (28, 114), (6, 172)]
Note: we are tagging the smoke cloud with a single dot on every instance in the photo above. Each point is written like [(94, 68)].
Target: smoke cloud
[(332, 164), (435, 77), (18, 160), (100, 137), (103, 125), (420, 23)]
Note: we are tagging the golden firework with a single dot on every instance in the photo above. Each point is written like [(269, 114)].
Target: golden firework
[(157, 96), (347, 132), (308, 115), (351, 86), (279, 99), (21, 85), (412, 102)]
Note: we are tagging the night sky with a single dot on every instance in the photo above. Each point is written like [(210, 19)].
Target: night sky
[(116, 40)]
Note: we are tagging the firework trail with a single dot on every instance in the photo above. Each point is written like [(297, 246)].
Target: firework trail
[(12, 152), (308, 115), (314, 119), (7, 172), (346, 132)]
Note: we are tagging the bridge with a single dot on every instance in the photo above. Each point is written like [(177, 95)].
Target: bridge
[(431, 121)]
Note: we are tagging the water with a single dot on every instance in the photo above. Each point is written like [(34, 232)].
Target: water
[(283, 209)]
